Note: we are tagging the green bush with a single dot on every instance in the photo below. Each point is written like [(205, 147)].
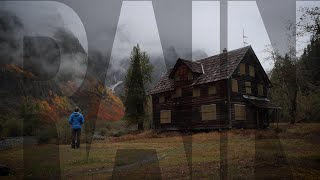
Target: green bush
[(102, 131), (119, 132), (11, 127), (308, 108), (64, 131), (46, 134)]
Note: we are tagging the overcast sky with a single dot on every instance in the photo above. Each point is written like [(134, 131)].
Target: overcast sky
[(137, 24)]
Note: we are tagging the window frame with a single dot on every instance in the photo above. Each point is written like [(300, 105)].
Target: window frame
[(205, 116), (168, 120), (242, 68), (240, 117), (214, 89), (260, 88), (162, 99), (196, 92), (175, 92), (176, 77), (248, 87), (252, 71), (190, 75), (234, 83)]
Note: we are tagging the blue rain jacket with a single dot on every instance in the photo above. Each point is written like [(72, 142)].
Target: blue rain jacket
[(76, 120)]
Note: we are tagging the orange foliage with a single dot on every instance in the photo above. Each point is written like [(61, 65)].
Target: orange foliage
[(106, 109), (114, 98), (47, 112), (15, 69), (61, 103), (52, 109), (68, 87)]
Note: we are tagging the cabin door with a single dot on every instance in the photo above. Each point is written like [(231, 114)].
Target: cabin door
[(259, 118)]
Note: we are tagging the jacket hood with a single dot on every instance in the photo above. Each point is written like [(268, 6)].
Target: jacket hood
[(76, 114)]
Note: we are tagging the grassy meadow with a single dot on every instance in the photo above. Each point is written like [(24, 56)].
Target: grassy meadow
[(293, 152)]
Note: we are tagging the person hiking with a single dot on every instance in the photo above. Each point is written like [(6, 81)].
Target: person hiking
[(76, 120)]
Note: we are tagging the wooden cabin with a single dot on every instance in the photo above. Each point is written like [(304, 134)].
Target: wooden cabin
[(228, 90)]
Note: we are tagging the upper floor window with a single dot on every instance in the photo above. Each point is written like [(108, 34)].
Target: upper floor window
[(162, 99), (242, 68), (196, 92), (176, 77), (260, 89), (234, 85), (212, 89), (190, 76), (248, 87), (182, 73), (252, 71), (178, 92)]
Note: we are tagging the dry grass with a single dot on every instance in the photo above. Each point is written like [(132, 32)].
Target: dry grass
[(250, 154), (143, 135)]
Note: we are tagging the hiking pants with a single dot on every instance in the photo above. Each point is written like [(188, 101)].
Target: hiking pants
[(76, 137)]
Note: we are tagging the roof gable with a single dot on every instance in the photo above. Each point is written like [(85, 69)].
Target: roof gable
[(221, 66), (213, 68), (265, 76), (193, 66)]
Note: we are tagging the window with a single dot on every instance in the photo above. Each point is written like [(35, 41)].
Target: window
[(162, 99), (190, 77), (260, 89), (196, 92), (251, 71), (165, 116), (242, 68), (240, 112), (176, 77), (209, 112), (212, 89), (234, 85), (182, 72), (178, 92), (248, 87)]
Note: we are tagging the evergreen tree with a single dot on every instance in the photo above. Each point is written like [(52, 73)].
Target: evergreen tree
[(138, 76), (310, 60)]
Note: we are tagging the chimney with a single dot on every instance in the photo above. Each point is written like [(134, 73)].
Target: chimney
[(225, 50), (223, 62)]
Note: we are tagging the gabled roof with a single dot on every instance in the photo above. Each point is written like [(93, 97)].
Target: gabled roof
[(195, 67), (164, 84), (221, 66), (215, 68)]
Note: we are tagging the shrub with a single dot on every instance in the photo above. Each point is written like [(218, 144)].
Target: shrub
[(118, 133), (64, 131), (12, 127), (102, 131), (46, 134)]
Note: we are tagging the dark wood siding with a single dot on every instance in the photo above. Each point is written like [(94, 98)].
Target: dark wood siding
[(258, 79), (186, 110), (237, 98)]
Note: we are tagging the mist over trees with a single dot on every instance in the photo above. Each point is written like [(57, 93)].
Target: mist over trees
[(11, 29), (296, 81)]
